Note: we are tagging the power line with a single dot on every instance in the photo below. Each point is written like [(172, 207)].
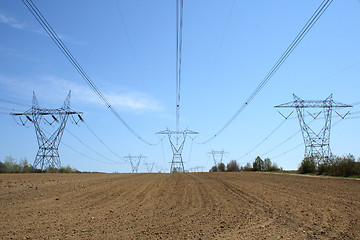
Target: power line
[(302, 144), (56, 39), (286, 152), (84, 155), (88, 147), (15, 103), (75, 150), (311, 22), (102, 142), (282, 143), (11, 109), (5, 113), (191, 147), (179, 26), (221, 40), (266, 138), (82, 119), (131, 46), (217, 52)]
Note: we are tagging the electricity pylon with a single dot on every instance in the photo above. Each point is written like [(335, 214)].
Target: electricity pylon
[(48, 153), (134, 161), (149, 167), (317, 144), (217, 156), (177, 164)]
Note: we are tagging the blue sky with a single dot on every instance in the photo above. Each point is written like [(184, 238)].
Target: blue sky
[(128, 49)]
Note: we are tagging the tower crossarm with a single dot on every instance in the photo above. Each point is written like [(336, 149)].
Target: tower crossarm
[(48, 152), (300, 103), (169, 132), (44, 111), (317, 145), (177, 141), (312, 104)]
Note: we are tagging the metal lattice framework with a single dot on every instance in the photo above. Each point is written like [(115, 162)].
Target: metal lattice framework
[(48, 153), (179, 137), (175, 137), (217, 156), (197, 169), (317, 144), (150, 167), (134, 161)]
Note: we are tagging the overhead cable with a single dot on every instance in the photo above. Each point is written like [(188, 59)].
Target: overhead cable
[(131, 45), (321, 9), (302, 144), (179, 25), (88, 147), (84, 155), (15, 103), (102, 142), (266, 138), (75, 150), (56, 39), (277, 146), (217, 52)]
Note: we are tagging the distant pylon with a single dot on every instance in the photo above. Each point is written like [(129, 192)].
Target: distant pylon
[(48, 153), (317, 144), (149, 167), (217, 156), (177, 164), (134, 161)]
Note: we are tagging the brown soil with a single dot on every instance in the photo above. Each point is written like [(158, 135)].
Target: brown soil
[(178, 206)]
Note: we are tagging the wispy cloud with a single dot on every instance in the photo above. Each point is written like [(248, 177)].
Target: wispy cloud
[(54, 90), (15, 23)]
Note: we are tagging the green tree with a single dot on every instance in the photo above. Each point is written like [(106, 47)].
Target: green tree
[(307, 165), (25, 166), (221, 167), (10, 164), (232, 166), (2, 167), (248, 167), (258, 164), (267, 165), (213, 169)]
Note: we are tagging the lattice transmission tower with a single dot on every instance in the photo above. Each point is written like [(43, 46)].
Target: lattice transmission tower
[(177, 138), (48, 153), (218, 156), (135, 161), (149, 167), (317, 143), (177, 141)]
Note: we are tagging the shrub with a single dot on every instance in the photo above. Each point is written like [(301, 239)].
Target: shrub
[(232, 166), (2, 167), (336, 166), (11, 166), (248, 167), (213, 169), (258, 164), (307, 165), (221, 167)]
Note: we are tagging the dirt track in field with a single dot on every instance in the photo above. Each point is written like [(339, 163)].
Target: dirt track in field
[(178, 206)]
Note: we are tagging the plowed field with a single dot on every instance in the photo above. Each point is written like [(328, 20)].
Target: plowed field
[(178, 206)]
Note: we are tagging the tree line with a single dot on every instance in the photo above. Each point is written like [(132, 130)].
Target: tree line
[(10, 165), (345, 166), (258, 165)]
